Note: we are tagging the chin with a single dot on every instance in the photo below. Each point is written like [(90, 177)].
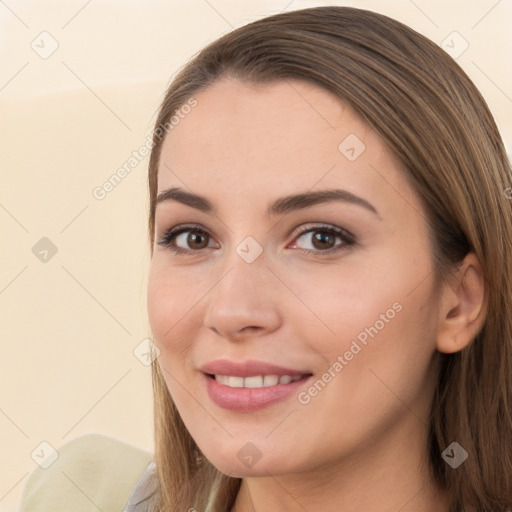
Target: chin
[(236, 469), (246, 461)]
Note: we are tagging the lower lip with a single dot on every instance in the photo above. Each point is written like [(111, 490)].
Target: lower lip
[(250, 399)]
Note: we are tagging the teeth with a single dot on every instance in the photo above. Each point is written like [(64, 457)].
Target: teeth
[(257, 381), (253, 382), (270, 380), (223, 379), (236, 382)]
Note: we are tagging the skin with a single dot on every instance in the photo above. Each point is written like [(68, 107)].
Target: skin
[(360, 443)]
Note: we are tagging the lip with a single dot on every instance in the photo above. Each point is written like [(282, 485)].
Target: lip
[(249, 368), (250, 399)]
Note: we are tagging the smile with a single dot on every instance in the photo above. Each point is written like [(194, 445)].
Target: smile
[(248, 394), (256, 381)]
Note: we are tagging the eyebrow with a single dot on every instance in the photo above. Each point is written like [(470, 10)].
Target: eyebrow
[(280, 206)]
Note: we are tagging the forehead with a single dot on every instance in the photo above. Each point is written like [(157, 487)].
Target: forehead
[(275, 139), (262, 118)]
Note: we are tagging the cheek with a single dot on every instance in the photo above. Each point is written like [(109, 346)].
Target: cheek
[(169, 301), (379, 356), (158, 306), (169, 304), (382, 317), (334, 306)]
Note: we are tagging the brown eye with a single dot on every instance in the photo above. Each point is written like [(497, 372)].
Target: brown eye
[(194, 240), (186, 239), (322, 240)]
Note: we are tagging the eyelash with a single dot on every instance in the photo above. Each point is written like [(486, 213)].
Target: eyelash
[(347, 238)]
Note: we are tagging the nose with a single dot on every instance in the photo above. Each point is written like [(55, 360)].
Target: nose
[(245, 302)]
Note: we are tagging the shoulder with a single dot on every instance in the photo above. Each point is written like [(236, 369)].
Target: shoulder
[(143, 495), (92, 472)]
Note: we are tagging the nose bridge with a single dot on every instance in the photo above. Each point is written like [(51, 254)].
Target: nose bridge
[(244, 296), (244, 266)]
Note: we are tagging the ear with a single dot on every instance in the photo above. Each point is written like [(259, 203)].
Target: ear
[(463, 307)]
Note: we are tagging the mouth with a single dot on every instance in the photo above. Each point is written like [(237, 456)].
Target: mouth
[(251, 386), (255, 381)]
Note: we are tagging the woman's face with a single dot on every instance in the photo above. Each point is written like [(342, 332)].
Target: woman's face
[(335, 289)]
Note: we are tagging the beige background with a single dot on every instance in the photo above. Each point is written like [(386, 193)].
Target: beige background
[(70, 324)]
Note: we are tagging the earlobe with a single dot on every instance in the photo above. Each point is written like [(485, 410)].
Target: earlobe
[(463, 307)]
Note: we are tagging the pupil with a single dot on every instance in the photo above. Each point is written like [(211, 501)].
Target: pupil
[(322, 238), (193, 239)]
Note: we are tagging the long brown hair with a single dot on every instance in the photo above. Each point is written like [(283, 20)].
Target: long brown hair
[(431, 115)]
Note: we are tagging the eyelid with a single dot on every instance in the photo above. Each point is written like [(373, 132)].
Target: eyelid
[(347, 237), (170, 235), (318, 226)]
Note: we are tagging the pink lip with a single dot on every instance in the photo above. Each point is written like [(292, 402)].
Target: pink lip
[(249, 399), (249, 368)]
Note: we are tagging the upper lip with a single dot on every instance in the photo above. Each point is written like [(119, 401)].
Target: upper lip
[(248, 368)]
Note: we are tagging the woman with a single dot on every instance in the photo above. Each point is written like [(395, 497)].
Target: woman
[(329, 224)]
